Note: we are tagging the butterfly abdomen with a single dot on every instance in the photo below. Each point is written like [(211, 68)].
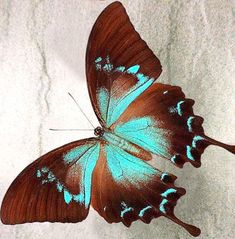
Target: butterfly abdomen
[(126, 145)]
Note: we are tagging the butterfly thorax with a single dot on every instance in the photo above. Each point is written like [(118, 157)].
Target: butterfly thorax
[(99, 131), (110, 137)]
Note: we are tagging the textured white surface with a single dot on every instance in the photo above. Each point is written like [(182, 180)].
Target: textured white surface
[(42, 57)]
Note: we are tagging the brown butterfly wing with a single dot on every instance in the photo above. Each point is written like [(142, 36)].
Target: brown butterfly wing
[(180, 132), (44, 191), (126, 189), (114, 37)]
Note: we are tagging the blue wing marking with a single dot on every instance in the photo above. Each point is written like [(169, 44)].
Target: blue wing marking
[(177, 109), (145, 133), (111, 108), (189, 123), (141, 213), (189, 153), (133, 69), (164, 175), (125, 209), (86, 163), (119, 105), (168, 191), (173, 159), (125, 167), (196, 138), (162, 205)]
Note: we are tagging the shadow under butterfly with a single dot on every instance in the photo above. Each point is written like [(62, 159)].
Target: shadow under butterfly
[(138, 119)]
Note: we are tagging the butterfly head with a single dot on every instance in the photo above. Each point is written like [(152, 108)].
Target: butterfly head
[(99, 131)]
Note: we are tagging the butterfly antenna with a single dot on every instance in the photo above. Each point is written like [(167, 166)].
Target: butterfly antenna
[(71, 129), (81, 110)]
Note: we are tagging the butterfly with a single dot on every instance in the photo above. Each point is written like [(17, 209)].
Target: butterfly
[(139, 118)]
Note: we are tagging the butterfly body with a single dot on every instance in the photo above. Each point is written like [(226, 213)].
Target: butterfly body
[(138, 118)]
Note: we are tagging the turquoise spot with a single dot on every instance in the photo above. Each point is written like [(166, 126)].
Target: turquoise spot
[(44, 170), (163, 176), (189, 123), (179, 110), (145, 133), (39, 173), (168, 191), (126, 209), (67, 196), (108, 67), (195, 139), (50, 177), (141, 214), (98, 67), (98, 59), (59, 187), (173, 159), (46, 175), (120, 68), (161, 206), (189, 153), (133, 69)]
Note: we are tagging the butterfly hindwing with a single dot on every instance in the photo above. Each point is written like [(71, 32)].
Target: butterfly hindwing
[(119, 64), (164, 125), (126, 189), (54, 188)]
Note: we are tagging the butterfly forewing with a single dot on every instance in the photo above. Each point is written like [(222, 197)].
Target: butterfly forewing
[(119, 64), (55, 187)]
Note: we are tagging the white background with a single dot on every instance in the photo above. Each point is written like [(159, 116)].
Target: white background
[(42, 57)]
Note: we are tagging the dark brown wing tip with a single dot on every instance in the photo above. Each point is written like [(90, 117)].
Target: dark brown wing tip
[(113, 5)]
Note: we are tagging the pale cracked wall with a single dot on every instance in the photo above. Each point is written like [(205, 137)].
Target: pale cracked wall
[(42, 50)]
